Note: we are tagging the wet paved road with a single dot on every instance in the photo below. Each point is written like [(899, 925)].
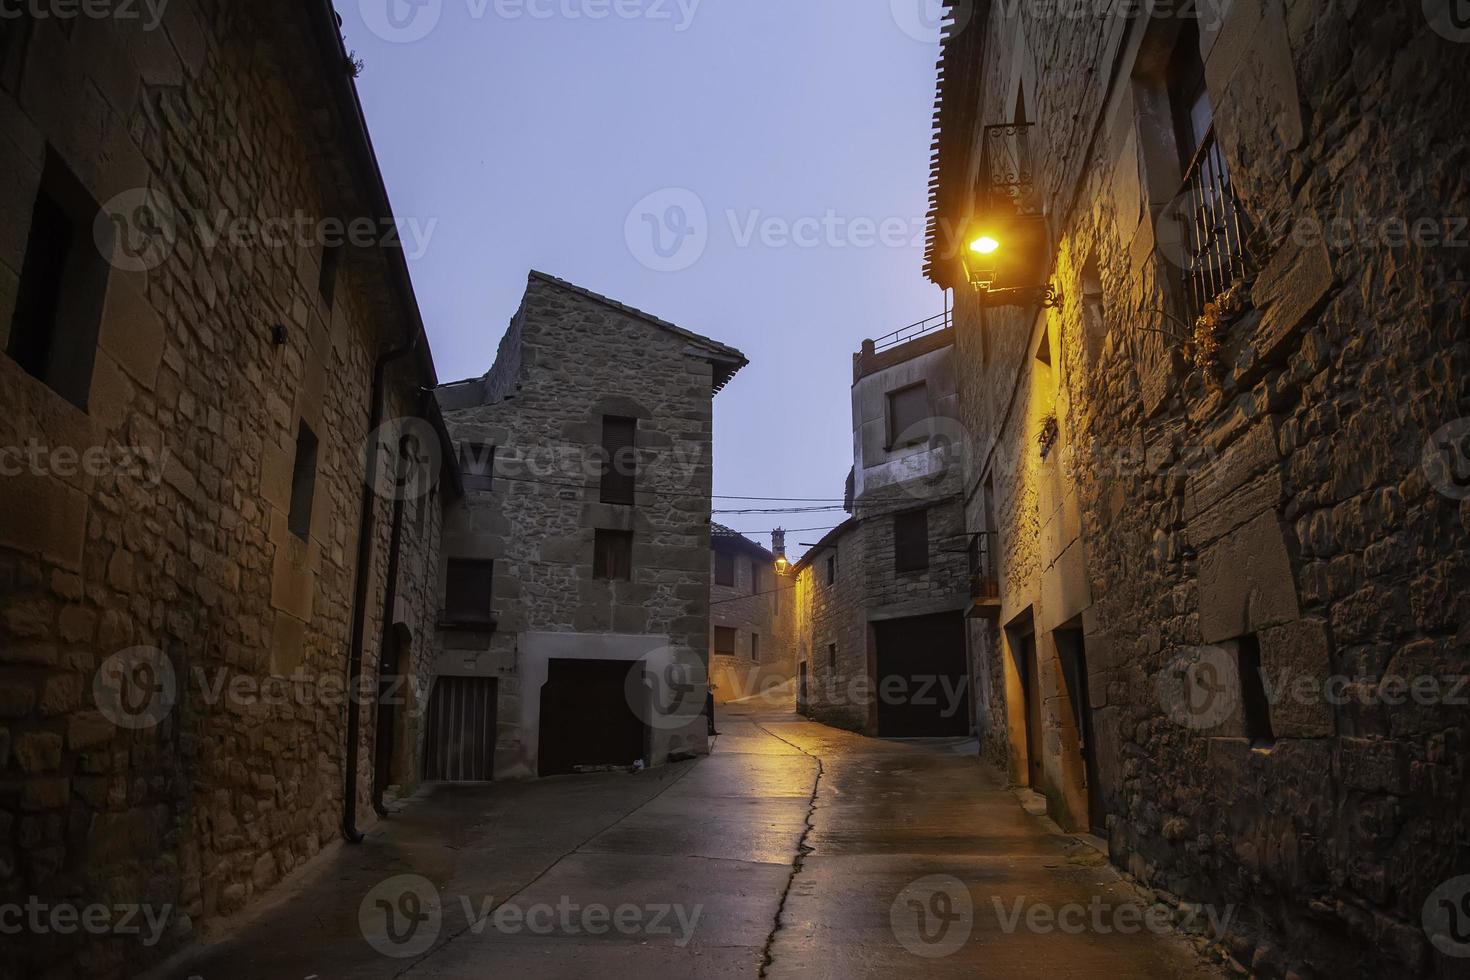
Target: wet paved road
[(795, 848)]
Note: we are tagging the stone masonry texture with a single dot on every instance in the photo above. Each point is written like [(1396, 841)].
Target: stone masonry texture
[(1278, 497), (569, 359), (181, 544)]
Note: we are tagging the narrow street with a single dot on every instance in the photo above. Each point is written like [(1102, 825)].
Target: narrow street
[(797, 848)]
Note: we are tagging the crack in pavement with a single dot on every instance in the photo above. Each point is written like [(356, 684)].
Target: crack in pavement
[(801, 848)]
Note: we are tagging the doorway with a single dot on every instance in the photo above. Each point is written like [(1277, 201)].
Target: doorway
[(1024, 647), (586, 720), (459, 741), (923, 678), (1073, 654), (392, 695)]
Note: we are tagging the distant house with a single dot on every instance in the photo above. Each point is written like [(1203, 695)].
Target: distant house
[(880, 601), (577, 578), (750, 620)]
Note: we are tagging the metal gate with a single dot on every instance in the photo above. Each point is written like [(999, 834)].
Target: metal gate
[(459, 744)]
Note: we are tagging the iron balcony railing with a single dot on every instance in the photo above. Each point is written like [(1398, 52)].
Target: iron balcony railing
[(984, 577), (905, 334), (1215, 229), (1008, 171)]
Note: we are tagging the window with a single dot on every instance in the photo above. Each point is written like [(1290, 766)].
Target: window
[(832, 656), (620, 465), (477, 465), (908, 410), (724, 569), (1189, 100), (755, 577), (63, 282), (832, 568), (612, 555), (468, 586), (1094, 322), (1253, 699), (911, 541), (303, 482), (327, 282), (725, 641), (755, 647)]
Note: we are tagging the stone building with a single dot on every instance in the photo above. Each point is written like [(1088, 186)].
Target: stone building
[(193, 568), (750, 652), (578, 567), (1209, 326), (881, 600)]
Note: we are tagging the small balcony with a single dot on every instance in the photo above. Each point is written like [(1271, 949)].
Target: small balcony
[(1214, 231), (984, 575)]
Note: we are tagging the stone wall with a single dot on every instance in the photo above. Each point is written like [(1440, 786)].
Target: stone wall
[(763, 608), (173, 541), (831, 631), (1278, 495), (570, 359)]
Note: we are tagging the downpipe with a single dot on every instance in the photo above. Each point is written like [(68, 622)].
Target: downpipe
[(360, 591)]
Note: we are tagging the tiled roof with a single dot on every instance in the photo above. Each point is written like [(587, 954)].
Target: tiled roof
[(719, 532), (956, 104)]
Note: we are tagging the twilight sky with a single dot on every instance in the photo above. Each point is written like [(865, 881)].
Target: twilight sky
[(753, 170)]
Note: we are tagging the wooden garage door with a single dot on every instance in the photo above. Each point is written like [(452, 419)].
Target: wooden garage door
[(459, 744)]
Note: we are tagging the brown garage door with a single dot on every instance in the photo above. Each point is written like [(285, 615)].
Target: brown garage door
[(459, 745)]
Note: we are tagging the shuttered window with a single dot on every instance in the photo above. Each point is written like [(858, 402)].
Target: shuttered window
[(911, 541), (908, 409), (620, 463), (467, 590), (612, 556)]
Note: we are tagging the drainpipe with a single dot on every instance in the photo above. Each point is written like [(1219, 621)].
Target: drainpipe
[(402, 467), (360, 594)]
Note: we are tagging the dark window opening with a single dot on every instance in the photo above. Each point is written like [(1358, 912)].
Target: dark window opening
[(620, 465), (724, 569), (831, 569), (477, 465), (755, 647), (63, 283), (908, 411), (303, 482), (468, 586), (612, 556), (327, 281), (725, 640), (911, 541), (832, 656), (1189, 99), (1253, 699)]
